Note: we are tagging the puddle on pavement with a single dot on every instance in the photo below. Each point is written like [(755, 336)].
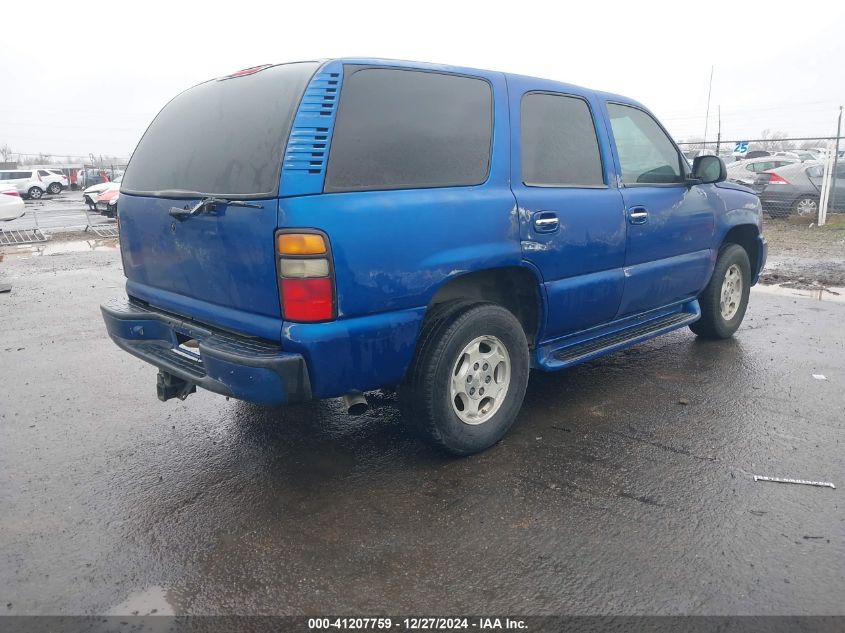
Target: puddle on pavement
[(27, 251), (150, 601), (831, 293)]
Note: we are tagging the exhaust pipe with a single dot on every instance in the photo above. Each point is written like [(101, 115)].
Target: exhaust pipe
[(355, 403)]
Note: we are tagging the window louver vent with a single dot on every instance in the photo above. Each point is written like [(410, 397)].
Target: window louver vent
[(307, 150)]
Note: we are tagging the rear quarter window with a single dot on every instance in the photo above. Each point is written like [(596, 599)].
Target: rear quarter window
[(407, 129)]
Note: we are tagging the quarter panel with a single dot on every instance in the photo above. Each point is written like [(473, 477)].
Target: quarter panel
[(393, 249)]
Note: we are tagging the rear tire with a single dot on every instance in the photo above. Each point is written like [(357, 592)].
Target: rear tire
[(725, 299), (467, 380), (54, 188), (35, 193)]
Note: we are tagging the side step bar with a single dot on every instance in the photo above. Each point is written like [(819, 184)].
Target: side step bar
[(565, 353)]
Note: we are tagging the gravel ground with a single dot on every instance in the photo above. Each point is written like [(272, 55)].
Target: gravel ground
[(805, 255)]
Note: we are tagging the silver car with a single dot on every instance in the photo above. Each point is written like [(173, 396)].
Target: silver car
[(795, 189), (745, 171)]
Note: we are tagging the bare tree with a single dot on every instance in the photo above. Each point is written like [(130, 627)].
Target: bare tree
[(773, 141), (695, 142)]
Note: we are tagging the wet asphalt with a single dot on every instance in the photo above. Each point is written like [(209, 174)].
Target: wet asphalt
[(625, 487)]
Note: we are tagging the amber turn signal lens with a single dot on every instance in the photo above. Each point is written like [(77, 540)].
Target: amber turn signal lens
[(301, 244)]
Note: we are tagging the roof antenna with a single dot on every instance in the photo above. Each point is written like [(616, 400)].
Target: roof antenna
[(707, 116)]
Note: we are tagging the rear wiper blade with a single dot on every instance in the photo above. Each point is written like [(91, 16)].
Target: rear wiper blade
[(209, 204)]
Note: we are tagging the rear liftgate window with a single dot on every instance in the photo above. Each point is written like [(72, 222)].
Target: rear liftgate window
[(224, 137), (404, 129)]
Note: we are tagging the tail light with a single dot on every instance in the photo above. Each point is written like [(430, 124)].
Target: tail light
[(774, 179), (306, 276), (12, 192)]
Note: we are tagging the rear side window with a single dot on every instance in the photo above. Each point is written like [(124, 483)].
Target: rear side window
[(646, 154), (559, 144), (223, 137), (406, 129)]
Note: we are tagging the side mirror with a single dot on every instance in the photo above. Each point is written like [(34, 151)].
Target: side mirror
[(707, 169)]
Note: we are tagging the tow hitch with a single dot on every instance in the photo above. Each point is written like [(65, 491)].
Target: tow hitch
[(169, 386)]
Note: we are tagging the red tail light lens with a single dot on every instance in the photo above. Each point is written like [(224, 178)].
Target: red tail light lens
[(308, 299), (12, 192), (774, 179)]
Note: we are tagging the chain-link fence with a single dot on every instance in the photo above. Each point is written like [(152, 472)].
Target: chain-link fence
[(802, 176)]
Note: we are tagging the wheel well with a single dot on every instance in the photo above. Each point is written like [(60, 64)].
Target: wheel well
[(513, 288), (746, 236)]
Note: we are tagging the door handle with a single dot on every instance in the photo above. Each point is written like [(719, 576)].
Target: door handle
[(637, 215), (546, 222)]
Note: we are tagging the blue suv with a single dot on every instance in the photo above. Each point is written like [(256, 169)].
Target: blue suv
[(323, 229)]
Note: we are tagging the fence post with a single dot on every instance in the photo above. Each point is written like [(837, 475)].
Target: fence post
[(836, 160), (825, 192)]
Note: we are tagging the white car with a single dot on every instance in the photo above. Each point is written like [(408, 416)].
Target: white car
[(26, 181), (54, 179), (11, 203), (90, 194)]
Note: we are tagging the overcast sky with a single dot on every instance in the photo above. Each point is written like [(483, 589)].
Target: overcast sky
[(80, 78)]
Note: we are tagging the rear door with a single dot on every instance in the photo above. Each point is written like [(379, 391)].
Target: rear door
[(670, 223), (222, 139), (572, 224)]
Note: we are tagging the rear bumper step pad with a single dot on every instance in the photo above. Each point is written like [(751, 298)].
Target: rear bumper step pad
[(225, 363)]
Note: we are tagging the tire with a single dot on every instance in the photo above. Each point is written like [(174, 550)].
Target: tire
[(35, 193), (806, 206), (54, 188), (714, 323), (427, 395)]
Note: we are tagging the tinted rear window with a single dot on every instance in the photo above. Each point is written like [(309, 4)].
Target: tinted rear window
[(559, 144), (403, 129), (223, 137)]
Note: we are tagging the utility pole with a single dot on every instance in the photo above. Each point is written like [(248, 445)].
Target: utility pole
[(719, 132), (836, 161), (707, 115)]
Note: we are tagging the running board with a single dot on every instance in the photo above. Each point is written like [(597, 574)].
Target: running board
[(561, 354)]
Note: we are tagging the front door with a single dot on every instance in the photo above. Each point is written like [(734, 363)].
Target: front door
[(670, 222), (572, 226)]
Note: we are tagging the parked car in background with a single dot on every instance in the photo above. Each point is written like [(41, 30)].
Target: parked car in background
[(745, 172), (107, 201), (90, 194), (441, 233), (53, 180), (27, 182), (11, 203), (796, 189), (756, 153)]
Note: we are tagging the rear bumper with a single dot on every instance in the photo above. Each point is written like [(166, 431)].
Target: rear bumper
[(237, 366)]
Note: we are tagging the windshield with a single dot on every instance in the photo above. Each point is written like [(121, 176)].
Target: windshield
[(224, 137)]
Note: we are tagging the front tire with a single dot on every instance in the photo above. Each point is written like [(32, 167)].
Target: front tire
[(467, 381), (725, 299), (54, 188), (806, 206)]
